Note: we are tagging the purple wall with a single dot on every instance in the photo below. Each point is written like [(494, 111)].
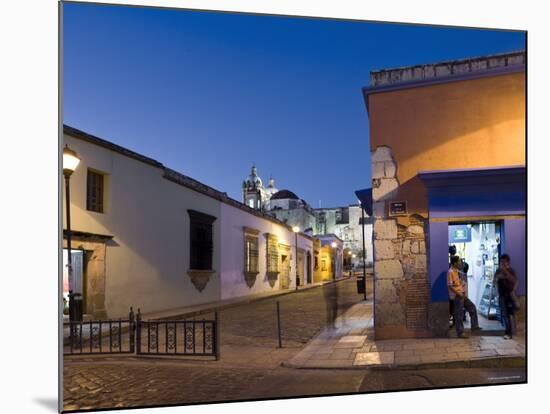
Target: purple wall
[(438, 263), (514, 244)]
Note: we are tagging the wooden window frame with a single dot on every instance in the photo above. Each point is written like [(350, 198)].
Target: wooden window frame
[(201, 240), (95, 191), (251, 252), (272, 255)]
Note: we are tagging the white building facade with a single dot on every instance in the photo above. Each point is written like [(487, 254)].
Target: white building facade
[(149, 237), (347, 224), (344, 222)]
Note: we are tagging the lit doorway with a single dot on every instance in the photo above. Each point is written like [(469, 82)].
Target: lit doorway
[(479, 245), (78, 282)]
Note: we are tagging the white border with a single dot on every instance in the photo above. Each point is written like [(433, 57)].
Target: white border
[(29, 93)]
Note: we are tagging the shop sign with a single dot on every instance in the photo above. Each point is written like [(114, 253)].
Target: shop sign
[(398, 208), (460, 234)]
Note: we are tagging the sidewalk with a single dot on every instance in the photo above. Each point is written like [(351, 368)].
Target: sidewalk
[(350, 345)]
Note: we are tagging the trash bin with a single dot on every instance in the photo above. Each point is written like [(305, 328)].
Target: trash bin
[(75, 306), (361, 285)]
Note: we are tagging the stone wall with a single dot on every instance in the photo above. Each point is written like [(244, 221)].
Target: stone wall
[(402, 291)]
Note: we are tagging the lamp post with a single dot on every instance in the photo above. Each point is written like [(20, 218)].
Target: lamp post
[(334, 245), (296, 230), (70, 162), (364, 251)]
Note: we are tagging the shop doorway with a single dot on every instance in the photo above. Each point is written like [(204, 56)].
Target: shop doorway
[(479, 245), (78, 282)]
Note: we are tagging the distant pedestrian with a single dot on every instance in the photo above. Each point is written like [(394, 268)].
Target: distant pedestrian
[(457, 293), (507, 281), (330, 292)]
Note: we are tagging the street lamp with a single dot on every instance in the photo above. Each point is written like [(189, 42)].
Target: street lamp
[(296, 230), (333, 245), (364, 250), (70, 162)]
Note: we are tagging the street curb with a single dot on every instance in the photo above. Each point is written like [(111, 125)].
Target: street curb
[(499, 362)]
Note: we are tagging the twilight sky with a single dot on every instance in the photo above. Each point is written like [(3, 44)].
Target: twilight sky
[(209, 93)]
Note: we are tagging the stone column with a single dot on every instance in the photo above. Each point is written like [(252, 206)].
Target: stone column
[(401, 294)]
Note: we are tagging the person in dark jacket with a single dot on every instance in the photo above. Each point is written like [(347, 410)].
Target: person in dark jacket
[(506, 281)]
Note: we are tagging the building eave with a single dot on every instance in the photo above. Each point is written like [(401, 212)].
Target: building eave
[(372, 90), (84, 235), (84, 136)]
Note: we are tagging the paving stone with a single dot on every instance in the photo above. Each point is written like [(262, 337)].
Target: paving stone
[(374, 358), (508, 351), (404, 353), (352, 338), (419, 345), (389, 347), (348, 345), (431, 351), (408, 360), (341, 354)]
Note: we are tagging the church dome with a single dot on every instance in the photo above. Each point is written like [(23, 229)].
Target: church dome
[(284, 194), (253, 180), (271, 189)]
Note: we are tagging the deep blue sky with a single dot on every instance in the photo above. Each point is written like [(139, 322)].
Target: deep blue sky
[(209, 93)]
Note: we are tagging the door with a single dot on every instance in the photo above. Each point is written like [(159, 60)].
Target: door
[(285, 271), (308, 267), (300, 269)]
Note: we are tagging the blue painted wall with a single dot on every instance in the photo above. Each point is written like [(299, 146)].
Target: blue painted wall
[(438, 260), (488, 192), (478, 200)]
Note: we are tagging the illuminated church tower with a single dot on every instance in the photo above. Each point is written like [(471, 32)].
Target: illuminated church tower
[(255, 195)]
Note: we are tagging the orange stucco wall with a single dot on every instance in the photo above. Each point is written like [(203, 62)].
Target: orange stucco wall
[(466, 124)]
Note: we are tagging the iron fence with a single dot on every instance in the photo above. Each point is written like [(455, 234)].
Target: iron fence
[(137, 336), (177, 337), (113, 336)]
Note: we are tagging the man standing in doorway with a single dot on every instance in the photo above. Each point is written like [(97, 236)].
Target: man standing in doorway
[(457, 293), (507, 282)]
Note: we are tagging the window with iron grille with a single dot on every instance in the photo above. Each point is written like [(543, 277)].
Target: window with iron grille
[(201, 240), (94, 191), (272, 254), (251, 254)]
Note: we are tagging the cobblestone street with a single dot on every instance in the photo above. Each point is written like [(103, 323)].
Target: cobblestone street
[(249, 365)]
